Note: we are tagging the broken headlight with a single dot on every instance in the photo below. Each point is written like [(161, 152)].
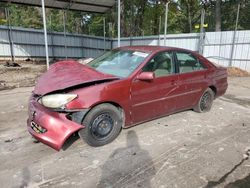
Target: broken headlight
[(56, 100)]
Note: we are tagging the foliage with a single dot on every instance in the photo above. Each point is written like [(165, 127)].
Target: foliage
[(139, 17)]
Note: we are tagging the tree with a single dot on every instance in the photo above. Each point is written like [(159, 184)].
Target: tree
[(138, 17), (218, 16), (191, 11)]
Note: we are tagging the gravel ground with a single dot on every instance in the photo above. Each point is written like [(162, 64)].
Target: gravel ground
[(185, 149)]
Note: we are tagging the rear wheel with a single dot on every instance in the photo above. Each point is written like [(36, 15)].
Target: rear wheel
[(205, 102), (103, 124)]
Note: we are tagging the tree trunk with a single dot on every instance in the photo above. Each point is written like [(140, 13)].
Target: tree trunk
[(189, 17), (124, 32), (156, 19), (141, 11), (218, 15)]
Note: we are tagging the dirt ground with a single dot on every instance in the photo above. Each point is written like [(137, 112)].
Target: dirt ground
[(185, 150), (234, 71), (23, 76)]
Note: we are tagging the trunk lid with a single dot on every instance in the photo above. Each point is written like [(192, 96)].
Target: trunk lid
[(65, 74)]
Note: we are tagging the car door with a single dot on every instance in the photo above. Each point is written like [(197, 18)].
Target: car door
[(151, 99), (192, 79)]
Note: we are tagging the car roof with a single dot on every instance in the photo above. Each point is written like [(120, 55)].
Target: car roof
[(149, 49)]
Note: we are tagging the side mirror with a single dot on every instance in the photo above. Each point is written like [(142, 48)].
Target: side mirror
[(146, 76)]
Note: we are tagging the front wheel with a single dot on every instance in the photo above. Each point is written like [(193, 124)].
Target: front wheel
[(103, 124), (205, 102)]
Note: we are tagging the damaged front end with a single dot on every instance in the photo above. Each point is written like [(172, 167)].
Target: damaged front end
[(77, 116), (50, 121), (52, 127)]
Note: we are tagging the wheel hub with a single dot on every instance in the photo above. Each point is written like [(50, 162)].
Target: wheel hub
[(205, 101), (102, 126)]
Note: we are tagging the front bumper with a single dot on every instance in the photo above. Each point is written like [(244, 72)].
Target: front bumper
[(55, 127)]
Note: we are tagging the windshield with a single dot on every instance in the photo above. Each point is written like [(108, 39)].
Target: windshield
[(120, 63)]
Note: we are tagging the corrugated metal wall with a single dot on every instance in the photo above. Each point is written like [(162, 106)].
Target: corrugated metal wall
[(187, 41), (217, 46), (30, 43)]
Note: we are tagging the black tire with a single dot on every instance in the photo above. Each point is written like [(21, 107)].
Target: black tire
[(205, 102), (103, 124)]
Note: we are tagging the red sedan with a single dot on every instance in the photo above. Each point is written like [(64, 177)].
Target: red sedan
[(119, 89)]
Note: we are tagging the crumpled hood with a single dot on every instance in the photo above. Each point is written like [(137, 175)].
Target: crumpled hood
[(65, 74)]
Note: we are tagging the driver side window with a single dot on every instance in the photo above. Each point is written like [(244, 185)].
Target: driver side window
[(162, 64)]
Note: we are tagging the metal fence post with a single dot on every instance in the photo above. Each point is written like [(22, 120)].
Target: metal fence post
[(111, 43), (64, 33), (201, 41), (166, 22), (119, 24), (130, 40), (10, 36), (234, 35), (104, 34), (159, 39), (52, 44), (45, 34), (82, 47)]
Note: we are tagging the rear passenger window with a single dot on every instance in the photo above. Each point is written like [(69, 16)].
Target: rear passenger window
[(188, 63)]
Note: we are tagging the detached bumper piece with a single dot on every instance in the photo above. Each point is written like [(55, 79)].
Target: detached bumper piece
[(49, 127)]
